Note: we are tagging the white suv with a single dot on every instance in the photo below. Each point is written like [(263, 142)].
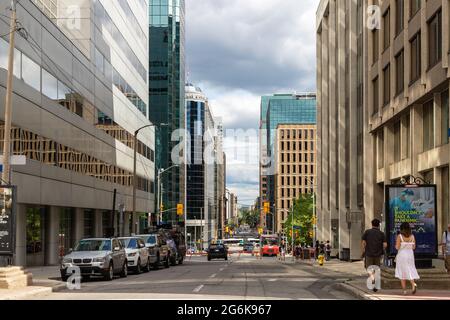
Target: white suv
[(137, 254)]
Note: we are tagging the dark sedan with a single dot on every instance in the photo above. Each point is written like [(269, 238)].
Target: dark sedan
[(217, 251)]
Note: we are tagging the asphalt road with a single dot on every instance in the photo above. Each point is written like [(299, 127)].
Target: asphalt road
[(240, 278)]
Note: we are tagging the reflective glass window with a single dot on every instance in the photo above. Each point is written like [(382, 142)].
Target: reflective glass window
[(49, 85), (31, 73)]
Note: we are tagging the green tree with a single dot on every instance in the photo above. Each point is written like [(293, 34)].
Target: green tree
[(303, 208), (249, 217)]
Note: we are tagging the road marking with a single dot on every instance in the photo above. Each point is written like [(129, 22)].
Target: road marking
[(213, 275), (221, 269), (198, 289), (272, 280)]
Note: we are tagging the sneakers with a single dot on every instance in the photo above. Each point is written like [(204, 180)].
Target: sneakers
[(414, 291)]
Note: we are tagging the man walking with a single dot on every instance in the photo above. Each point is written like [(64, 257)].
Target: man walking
[(446, 248), (328, 250), (373, 245)]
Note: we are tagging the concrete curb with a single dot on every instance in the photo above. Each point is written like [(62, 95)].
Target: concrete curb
[(356, 292)]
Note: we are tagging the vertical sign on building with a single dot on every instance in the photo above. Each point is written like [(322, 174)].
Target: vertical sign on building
[(7, 234)]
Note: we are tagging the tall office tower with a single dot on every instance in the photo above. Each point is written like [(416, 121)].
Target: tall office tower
[(167, 97), (295, 153), (278, 109), (202, 204), (80, 92)]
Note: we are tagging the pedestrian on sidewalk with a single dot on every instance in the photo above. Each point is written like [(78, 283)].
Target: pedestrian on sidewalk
[(446, 248), (328, 251), (405, 268), (373, 245), (317, 248)]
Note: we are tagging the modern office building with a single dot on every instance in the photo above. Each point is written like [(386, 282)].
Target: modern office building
[(205, 176), (79, 93), (275, 110), (295, 152), (383, 110), (167, 96)]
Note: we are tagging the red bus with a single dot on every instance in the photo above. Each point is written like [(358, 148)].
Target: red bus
[(270, 245)]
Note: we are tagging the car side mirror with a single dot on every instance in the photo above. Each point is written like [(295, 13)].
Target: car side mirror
[(70, 250)]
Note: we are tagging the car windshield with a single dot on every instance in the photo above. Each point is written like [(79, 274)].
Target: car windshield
[(151, 240), (270, 242), (129, 243), (93, 245)]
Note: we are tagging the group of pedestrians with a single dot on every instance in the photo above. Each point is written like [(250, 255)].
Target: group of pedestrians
[(324, 249), (374, 245)]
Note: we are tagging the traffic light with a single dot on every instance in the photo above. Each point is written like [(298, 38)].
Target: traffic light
[(180, 208), (314, 220), (161, 207), (311, 234), (260, 231), (290, 233), (266, 207)]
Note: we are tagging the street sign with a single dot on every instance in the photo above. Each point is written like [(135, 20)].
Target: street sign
[(7, 232), (16, 160)]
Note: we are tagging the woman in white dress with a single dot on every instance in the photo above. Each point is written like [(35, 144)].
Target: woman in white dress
[(405, 265)]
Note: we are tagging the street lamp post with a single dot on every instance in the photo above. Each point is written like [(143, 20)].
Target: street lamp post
[(135, 161), (160, 173)]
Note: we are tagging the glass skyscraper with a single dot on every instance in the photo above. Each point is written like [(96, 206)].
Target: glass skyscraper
[(166, 94)]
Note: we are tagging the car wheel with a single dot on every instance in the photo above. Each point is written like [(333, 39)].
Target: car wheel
[(124, 272), (181, 260), (158, 261), (109, 275), (138, 267), (167, 264), (209, 258), (64, 277), (226, 258), (173, 260), (147, 266)]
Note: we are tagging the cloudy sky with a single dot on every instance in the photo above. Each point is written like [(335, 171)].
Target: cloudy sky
[(238, 50)]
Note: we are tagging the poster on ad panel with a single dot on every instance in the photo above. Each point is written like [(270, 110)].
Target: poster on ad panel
[(417, 206)]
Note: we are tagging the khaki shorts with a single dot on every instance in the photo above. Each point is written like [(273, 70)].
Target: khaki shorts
[(372, 261)]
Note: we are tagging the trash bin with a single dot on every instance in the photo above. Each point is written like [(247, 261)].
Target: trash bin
[(345, 254), (306, 254)]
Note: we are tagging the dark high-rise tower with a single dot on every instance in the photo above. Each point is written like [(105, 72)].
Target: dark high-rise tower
[(166, 94)]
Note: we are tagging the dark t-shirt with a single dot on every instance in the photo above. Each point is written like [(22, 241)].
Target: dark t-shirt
[(374, 242)]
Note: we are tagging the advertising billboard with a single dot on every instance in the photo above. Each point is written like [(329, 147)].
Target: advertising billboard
[(6, 221), (417, 206)]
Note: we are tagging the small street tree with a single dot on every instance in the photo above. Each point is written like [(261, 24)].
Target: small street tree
[(303, 217)]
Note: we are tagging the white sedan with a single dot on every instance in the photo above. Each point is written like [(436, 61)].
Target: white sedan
[(137, 254)]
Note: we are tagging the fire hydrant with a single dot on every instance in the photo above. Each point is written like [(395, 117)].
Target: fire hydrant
[(321, 259)]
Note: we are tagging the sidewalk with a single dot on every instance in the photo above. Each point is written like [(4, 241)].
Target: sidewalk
[(356, 283), (45, 280)]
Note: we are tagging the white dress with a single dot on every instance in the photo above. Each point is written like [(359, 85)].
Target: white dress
[(405, 265)]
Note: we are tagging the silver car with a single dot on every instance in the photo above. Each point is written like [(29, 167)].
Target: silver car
[(96, 257)]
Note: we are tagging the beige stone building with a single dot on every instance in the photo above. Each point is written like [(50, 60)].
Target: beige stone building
[(408, 99), (383, 81), (296, 166)]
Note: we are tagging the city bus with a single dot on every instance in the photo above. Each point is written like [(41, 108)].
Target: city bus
[(234, 244)]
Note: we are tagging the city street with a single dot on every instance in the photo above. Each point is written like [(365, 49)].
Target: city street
[(242, 277)]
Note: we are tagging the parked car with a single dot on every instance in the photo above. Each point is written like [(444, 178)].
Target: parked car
[(96, 257), (137, 254), (217, 251), (157, 248)]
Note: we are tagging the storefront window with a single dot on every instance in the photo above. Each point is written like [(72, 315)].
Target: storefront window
[(66, 230), (108, 224), (89, 223), (35, 225)]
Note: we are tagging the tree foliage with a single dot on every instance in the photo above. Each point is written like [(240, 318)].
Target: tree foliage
[(303, 217), (249, 217)]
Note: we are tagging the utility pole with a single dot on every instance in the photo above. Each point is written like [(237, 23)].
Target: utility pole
[(8, 103)]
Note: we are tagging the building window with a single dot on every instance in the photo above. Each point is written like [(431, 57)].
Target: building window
[(415, 6), (35, 228), (415, 58), (375, 45), (444, 117), (407, 128), (435, 39), (397, 141), (380, 149), (89, 221), (400, 72), (375, 102), (387, 84), (399, 16), (445, 196), (387, 29), (428, 126)]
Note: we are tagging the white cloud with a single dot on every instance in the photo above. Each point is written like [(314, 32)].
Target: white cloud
[(238, 50)]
